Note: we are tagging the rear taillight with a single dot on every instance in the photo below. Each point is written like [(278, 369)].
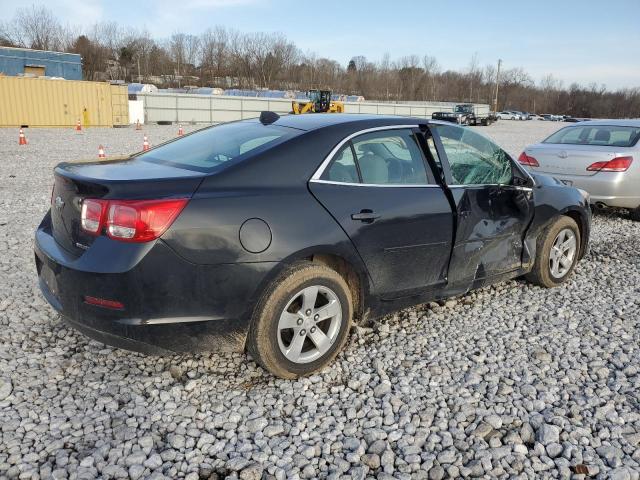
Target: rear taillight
[(618, 164), (122, 221), (527, 160), (130, 220), (92, 215)]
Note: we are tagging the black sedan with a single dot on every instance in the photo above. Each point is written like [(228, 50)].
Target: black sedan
[(275, 235)]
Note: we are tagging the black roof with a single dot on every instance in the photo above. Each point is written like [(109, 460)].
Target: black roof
[(313, 121)]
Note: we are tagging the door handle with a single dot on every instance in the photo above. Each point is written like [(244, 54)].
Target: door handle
[(365, 216)]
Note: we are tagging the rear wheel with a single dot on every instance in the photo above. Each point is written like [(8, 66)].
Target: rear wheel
[(635, 214), (302, 321), (557, 253)]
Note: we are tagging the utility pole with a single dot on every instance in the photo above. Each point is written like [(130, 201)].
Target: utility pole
[(495, 99)]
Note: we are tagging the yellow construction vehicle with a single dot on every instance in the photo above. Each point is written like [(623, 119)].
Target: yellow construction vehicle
[(319, 102)]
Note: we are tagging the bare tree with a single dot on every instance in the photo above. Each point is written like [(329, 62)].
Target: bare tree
[(226, 58), (475, 75), (35, 27), (431, 70), (185, 52), (215, 53)]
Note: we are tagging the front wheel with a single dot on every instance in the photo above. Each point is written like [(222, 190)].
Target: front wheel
[(557, 253), (302, 321)]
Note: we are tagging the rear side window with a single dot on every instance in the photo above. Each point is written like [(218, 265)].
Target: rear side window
[(215, 148), (386, 157), (343, 169), (603, 135)]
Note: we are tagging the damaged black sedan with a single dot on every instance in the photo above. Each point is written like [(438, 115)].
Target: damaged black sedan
[(275, 235)]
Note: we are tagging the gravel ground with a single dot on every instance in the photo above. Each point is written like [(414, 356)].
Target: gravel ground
[(511, 381)]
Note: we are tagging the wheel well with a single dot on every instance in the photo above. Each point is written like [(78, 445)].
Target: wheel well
[(350, 275), (577, 217)]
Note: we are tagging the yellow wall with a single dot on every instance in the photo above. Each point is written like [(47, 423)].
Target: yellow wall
[(61, 103)]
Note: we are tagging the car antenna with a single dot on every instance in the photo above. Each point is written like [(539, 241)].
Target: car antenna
[(267, 118)]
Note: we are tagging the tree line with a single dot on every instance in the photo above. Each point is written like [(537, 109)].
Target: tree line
[(222, 57)]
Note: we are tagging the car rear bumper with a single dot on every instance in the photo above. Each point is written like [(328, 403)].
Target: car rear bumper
[(614, 189), (169, 304)]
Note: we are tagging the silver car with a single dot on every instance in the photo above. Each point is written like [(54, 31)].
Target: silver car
[(601, 157)]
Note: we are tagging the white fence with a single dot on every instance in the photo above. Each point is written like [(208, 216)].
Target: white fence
[(185, 108)]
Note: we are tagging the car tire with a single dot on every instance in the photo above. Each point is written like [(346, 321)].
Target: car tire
[(281, 337), (549, 269), (635, 214)]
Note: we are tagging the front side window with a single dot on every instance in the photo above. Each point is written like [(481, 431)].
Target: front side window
[(602, 135), (210, 149), (474, 159), (385, 157)]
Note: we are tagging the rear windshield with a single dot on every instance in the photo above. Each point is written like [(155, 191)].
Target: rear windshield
[(604, 135), (217, 147)]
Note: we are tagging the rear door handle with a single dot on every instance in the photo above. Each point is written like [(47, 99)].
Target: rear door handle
[(365, 216)]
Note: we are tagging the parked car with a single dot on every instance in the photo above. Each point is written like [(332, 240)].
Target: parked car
[(466, 114), (601, 157), (517, 115), (507, 115), (276, 235)]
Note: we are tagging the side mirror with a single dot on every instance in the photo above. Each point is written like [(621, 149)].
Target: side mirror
[(520, 178)]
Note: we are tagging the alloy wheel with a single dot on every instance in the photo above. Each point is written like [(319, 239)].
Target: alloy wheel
[(563, 252), (309, 324)]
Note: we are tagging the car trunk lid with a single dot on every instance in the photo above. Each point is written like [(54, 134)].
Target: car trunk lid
[(124, 179), (569, 160)]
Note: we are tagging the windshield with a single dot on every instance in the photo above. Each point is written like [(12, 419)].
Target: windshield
[(463, 108), (214, 148), (603, 135)]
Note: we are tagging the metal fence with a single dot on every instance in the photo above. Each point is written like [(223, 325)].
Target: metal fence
[(187, 108)]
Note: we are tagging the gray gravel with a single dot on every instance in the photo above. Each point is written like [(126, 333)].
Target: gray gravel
[(511, 381)]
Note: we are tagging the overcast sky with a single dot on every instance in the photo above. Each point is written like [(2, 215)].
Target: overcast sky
[(575, 40)]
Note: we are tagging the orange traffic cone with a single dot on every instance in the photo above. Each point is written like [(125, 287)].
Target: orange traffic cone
[(101, 152), (138, 126), (22, 140), (145, 144), (78, 126), (180, 131)]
